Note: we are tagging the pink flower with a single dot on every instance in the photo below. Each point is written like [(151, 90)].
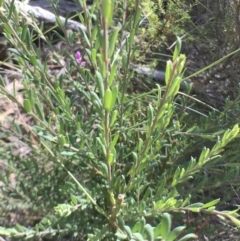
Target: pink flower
[(78, 57)]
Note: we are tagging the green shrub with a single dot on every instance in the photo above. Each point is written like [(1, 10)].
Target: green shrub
[(106, 163)]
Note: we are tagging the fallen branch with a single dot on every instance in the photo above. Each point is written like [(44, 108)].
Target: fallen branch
[(42, 15), (63, 8), (156, 75)]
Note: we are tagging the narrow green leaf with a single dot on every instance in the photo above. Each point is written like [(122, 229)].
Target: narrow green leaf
[(24, 32), (68, 153), (182, 173), (59, 35), (177, 49), (112, 75), (107, 9), (18, 53), (204, 156), (157, 231), (2, 82), (137, 19), (175, 233), (135, 156), (121, 235), (102, 146), (27, 105), (110, 158), (140, 145), (33, 60), (73, 200), (85, 37), (113, 117), (11, 8), (30, 235), (191, 165), (176, 177), (40, 65), (131, 39), (181, 64), (168, 72), (128, 231), (114, 96), (175, 86), (159, 94), (100, 85), (21, 228), (94, 56), (233, 213), (147, 194), (212, 203), (94, 36), (59, 22), (7, 30), (114, 141), (165, 226), (116, 182), (96, 98), (71, 36), (113, 41), (162, 111), (149, 231), (188, 236), (100, 234), (210, 209), (138, 237), (194, 210), (104, 169), (235, 221), (62, 139), (162, 186), (108, 100), (150, 115), (138, 227), (142, 207), (195, 205), (101, 65), (186, 201)]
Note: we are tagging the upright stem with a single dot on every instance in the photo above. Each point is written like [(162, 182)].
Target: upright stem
[(125, 78), (106, 118)]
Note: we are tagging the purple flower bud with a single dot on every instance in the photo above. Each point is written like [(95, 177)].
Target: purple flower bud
[(78, 57)]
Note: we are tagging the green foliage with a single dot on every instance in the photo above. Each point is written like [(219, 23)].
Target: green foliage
[(166, 17), (116, 165), (142, 231), (162, 20)]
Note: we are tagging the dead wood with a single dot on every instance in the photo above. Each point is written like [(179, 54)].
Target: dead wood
[(43, 12), (157, 75), (64, 7)]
